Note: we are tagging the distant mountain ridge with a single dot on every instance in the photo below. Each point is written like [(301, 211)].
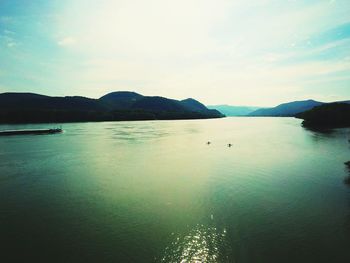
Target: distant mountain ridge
[(289, 109), (229, 110), (120, 105)]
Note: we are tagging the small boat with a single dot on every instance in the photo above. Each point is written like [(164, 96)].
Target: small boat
[(31, 131)]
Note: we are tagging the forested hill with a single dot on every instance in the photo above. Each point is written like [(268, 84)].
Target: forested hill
[(330, 115), (115, 106)]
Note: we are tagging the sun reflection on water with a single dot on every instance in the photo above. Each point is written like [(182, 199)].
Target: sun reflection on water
[(201, 244)]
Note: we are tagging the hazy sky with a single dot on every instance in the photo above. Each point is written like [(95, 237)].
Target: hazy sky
[(239, 52)]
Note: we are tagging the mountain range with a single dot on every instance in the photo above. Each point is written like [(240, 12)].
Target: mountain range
[(289, 109), (126, 105), (229, 110), (115, 106)]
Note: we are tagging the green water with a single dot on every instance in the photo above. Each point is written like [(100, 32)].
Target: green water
[(154, 191)]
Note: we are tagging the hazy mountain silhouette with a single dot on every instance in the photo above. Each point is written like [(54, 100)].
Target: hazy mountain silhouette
[(120, 99), (158, 104), (131, 100), (29, 107), (17, 101), (289, 109), (229, 110), (194, 105)]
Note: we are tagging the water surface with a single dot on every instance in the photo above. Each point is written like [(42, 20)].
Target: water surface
[(154, 191)]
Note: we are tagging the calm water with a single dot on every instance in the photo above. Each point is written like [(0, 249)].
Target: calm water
[(155, 192)]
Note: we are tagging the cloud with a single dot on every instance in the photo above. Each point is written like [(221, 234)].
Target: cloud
[(204, 49), (220, 51), (6, 19), (67, 41), (9, 32), (11, 44), (8, 38)]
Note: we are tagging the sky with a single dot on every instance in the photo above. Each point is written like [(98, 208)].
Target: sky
[(237, 52)]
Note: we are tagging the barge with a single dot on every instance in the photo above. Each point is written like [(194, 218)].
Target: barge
[(30, 132)]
